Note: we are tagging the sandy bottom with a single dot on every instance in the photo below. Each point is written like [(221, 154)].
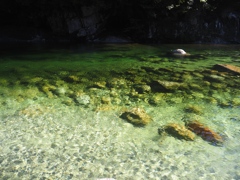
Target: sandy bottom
[(45, 139)]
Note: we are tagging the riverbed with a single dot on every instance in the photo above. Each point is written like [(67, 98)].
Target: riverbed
[(61, 106)]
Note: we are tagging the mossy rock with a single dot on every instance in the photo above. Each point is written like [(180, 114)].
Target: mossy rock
[(100, 84), (157, 99), (165, 86), (196, 87), (236, 102), (211, 100), (72, 78), (142, 88), (219, 86), (136, 116), (193, 109), (106, 100), (179, 131)]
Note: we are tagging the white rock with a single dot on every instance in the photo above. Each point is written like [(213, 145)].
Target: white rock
[(179, 52)]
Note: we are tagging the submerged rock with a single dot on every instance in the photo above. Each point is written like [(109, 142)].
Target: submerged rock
[(83, 99), (204, 132), (136, 116), (193, 109), (227, 68), (100, 84), (117, 83), (179, 131), (142, 88), (72, 78), (165, 85), (157, 98)]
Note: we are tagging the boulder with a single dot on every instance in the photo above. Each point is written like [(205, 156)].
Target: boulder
[(143, 88), (179, 52), (227, 68), (136, 116), (193, 109), (179, 131), (204, 132), (100, 84), (165, 85), (83, 99)]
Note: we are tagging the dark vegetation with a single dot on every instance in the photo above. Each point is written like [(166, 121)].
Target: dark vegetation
[(140, 20)]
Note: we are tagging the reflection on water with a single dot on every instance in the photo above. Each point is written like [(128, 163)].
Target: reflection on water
[(61, 112)]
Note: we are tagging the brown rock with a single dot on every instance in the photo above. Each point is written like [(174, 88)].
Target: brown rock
[(227, 67), (136, 116), (205, 132), (179, 131)]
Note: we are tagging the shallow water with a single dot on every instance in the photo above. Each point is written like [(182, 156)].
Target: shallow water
[(61, 106)]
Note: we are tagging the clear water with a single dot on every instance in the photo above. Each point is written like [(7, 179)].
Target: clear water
[(61, 105)]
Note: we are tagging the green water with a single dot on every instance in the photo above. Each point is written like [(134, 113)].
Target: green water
[(61, 109)]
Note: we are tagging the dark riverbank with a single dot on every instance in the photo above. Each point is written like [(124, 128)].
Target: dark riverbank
[(61, 106), (158, 21)]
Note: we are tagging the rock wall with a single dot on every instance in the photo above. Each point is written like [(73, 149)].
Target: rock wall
[(94, 20)]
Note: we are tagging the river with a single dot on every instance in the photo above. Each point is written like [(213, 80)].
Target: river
[(61, 106)]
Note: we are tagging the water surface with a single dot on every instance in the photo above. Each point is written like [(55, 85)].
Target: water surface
[(61, 106)]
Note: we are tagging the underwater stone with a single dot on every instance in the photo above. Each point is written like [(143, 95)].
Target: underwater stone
[(48, 88), (215, 78), (198, 95), (196, 87), (106, 100), (133, 93), (100, 84), (187, 77), (72, 78), (117, 100), (179, 131), (36, 80), (204, 132), (206, 83), (157, 99), (68, 101), (211, 100), (143, 88), (193, 109), (227, 68), (218, 85), (236, 101), (83, 99), (117, 83), (196, 74), (114, 93), (225, 103), (32, 92), (60, 91), (165, 85), (177, 100), (136, 116)]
